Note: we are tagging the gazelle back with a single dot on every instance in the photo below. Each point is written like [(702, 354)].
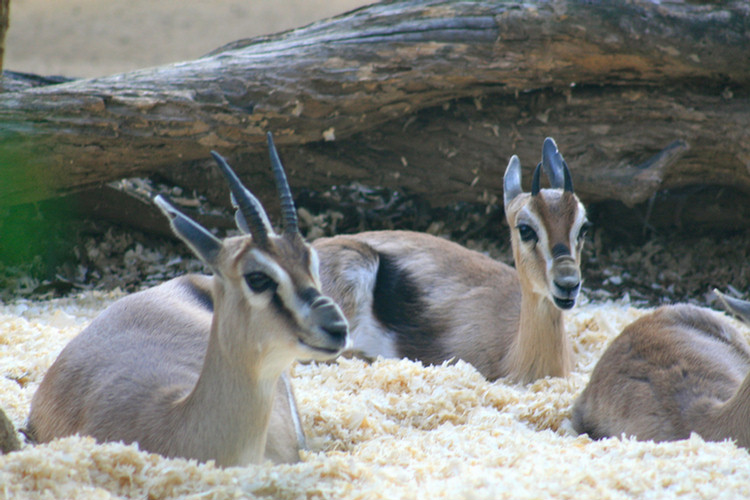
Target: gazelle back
[(409, 294), (678, 370), (195, 367)]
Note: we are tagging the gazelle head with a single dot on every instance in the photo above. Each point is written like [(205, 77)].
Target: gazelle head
[(547, 228), (266, 284)]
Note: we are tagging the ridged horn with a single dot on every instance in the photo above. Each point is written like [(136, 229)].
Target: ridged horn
[(288, 211), (251, 214)]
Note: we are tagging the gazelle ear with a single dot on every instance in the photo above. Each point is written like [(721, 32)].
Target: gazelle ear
[(239, 217), (512, 180), (203, 244), (740, 308)]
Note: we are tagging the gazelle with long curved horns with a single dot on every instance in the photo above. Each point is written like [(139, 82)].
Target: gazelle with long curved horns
[(195, 367), (409, 294), (677, 370)]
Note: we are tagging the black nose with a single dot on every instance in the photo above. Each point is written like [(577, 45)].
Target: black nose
[(310, 295), (330, 318)]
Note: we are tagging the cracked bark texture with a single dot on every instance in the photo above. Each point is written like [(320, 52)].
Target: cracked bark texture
[(427, 97)]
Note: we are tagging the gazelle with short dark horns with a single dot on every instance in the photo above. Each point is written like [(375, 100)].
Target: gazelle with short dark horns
[(677, 370), (195, 367), (409, 294)]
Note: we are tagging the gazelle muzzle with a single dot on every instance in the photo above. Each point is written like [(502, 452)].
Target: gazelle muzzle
[(566, 280), (326, 325)]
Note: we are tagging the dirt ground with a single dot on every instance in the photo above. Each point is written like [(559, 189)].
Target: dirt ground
[(87, 38)]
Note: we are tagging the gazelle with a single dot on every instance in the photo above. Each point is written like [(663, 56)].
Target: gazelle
[(409, 294), (677, 370), (195, 367)]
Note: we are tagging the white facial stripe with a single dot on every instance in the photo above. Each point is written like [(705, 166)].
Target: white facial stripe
[(315, 266), (286, 289), (526, 216), (530, 218), (262, 262), (576, 228)]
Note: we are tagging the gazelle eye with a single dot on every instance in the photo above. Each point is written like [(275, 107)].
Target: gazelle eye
[(260, 282), (584, 229), (527, 233)]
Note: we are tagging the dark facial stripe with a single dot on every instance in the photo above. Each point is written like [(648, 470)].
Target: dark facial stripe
[(308, 295), (283, 310)]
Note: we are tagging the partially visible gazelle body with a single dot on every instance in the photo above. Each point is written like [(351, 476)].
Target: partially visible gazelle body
[(678, 370), (195, 367), (414, 295)]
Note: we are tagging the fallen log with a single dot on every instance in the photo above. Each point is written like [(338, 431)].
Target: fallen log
[(428, 97)]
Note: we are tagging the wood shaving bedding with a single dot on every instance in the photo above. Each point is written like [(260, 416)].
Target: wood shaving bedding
[(393, 429)]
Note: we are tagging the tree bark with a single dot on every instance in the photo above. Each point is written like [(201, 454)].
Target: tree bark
[(429, 97)]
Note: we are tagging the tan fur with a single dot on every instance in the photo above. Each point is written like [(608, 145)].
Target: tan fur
[(341, 255), (678, 370), (501, 320), (541, 347), (450, 276), (158, 368)]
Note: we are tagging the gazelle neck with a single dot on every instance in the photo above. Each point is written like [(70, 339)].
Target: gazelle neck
[(230, 406), (540, 347)]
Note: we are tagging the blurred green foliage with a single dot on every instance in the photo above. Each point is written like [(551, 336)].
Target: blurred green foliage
[(30, 232)]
